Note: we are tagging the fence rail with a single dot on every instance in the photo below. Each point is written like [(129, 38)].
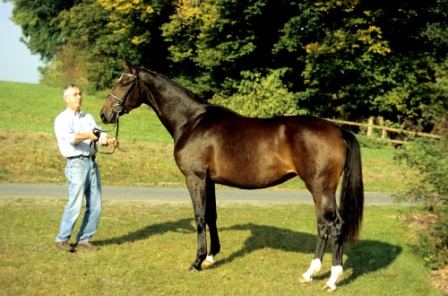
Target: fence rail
[(370, 126)]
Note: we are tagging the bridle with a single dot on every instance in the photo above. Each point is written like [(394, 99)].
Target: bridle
[(118, 108)]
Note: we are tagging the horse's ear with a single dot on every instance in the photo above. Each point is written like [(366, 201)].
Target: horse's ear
[(128, 66)]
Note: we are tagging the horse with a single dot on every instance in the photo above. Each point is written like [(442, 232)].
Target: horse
[(215, 145)]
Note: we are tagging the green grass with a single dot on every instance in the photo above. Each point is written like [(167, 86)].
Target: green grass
[(33, 108), (146, 249), (145, 157)]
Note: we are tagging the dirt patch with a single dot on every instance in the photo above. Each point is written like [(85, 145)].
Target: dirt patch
[(422, 222), (439, 278)]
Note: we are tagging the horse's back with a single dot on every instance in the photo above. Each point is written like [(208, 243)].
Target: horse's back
[(250, 152)]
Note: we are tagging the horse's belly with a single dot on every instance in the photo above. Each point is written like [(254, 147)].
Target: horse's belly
[(251, 177)]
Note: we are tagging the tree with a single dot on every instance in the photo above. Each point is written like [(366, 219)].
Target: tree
[(345, 59), (139, 22), (212, 42), (88, 54), (367, 58)]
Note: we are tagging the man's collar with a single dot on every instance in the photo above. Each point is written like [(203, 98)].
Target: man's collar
[(81, 114)]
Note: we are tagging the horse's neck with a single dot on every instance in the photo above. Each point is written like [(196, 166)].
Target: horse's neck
[(177, 109)]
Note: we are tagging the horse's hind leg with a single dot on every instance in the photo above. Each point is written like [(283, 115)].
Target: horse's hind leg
[(336, 265), (329, 223), (210, 218), (315, 266)]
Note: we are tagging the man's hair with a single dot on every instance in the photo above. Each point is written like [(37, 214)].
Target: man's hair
[(68, 86)]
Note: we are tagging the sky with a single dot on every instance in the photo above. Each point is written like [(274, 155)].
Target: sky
[(17, 64)]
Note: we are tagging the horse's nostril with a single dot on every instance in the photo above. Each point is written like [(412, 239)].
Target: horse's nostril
[(103, 117)]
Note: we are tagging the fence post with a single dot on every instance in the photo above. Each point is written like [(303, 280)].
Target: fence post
[(370, 126), (383, 130)]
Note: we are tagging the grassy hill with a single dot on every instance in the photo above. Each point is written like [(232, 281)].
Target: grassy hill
[(29, 153)]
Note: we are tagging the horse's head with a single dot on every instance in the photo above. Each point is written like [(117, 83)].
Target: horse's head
[(124, 96)]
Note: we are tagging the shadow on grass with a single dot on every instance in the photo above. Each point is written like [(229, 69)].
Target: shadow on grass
[(363, 257), (182, 226)]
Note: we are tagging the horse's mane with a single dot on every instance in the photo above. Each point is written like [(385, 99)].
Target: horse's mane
[(174, 83)]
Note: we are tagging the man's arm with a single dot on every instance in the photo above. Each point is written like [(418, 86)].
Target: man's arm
[(85, 136)]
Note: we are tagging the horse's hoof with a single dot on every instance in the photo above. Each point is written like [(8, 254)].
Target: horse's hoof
[(303, 280), (329, 289), (206, 264), (209, 261), (193, 269)]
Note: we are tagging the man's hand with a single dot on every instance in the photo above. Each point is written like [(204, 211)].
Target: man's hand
[(86, 136), (110, 141)]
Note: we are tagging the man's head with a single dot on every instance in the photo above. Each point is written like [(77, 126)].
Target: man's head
[(73, 97)]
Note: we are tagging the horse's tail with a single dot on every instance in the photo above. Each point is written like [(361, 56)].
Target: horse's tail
[(352, 191)]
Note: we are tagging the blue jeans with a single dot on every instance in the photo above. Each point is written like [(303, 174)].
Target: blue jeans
[(83, 179)]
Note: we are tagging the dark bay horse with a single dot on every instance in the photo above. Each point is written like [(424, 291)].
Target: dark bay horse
[(213, 144)]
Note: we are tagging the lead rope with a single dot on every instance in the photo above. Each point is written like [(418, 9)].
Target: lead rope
[(98, 132)]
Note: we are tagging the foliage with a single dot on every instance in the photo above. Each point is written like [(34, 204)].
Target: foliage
[(366, 58), (137, 23), (430, 159), (263, 96), (214, 41), (344, 59), (131, 10), (89, 55)]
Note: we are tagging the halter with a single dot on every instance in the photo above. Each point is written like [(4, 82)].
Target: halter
[(118, 108)]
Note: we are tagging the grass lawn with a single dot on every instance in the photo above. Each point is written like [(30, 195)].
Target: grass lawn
[(146, 249)]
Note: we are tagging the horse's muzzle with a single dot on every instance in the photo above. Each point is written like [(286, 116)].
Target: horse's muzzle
[(108, 119)]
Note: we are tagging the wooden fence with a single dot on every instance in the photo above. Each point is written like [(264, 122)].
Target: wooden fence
[(384, 129)]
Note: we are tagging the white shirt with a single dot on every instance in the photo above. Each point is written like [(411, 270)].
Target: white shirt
[(66, 125)]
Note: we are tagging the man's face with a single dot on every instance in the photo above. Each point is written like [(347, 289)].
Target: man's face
[(73, 98)]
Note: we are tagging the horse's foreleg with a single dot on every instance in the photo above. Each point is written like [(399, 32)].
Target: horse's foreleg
[(210, 218), (196, 187)]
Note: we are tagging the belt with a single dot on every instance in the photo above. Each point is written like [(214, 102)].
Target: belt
[(92, 157)]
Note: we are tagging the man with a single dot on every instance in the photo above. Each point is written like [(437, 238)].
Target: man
[(76, 139)]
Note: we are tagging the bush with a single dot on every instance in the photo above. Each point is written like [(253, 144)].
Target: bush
[(261, 96), (372, 142), (430, 158)]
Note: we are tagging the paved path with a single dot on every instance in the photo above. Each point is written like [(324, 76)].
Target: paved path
[(176, 195)]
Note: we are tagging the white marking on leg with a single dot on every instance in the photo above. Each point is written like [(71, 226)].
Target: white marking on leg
[(336, 272), (210, 260), (314, 268)]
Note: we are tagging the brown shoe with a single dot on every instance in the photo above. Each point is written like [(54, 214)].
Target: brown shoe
[(64, 246), (89, 246)]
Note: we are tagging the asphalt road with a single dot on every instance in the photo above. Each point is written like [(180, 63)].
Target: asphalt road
[(178, 195)]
